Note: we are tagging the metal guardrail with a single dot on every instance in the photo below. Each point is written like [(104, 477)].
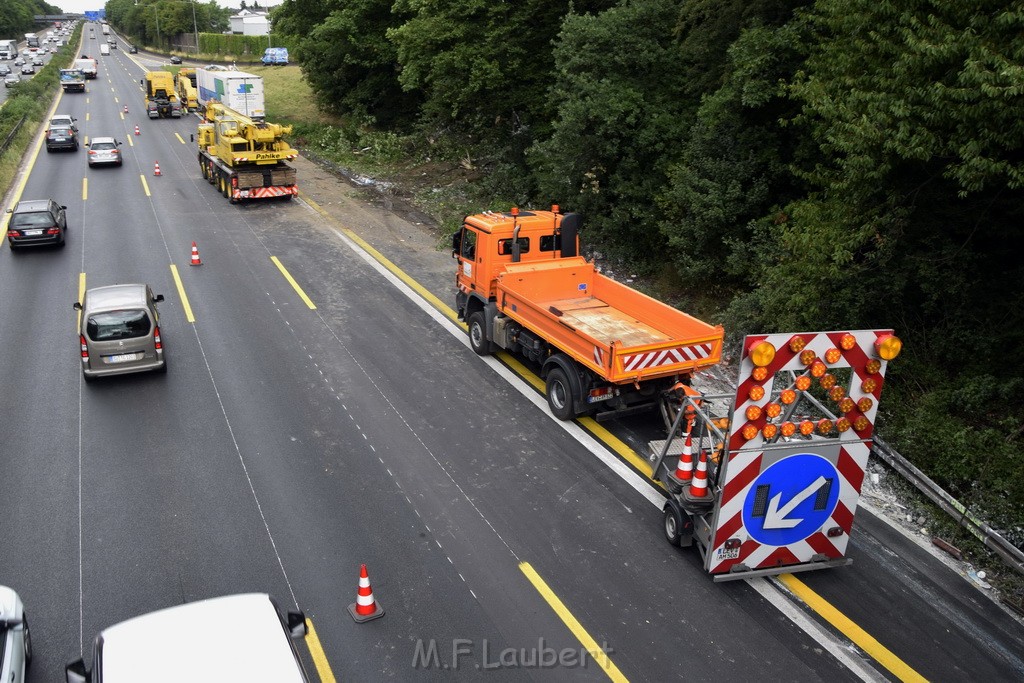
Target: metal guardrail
[(991, 538), (7, 142)]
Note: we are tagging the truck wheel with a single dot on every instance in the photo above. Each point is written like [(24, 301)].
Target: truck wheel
[(205, 170), (673, 526), (559, 393), (478, 335)]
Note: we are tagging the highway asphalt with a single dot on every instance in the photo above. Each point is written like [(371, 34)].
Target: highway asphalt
[(290, 443)]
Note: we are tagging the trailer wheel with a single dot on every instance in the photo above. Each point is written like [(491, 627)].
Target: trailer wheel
[(559, 393), (478, 335), (673, 525), (205, 170)]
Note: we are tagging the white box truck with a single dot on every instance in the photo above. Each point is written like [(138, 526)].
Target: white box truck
[(8, 49), (234, 89)]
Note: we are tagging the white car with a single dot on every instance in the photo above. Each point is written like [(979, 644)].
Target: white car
[(15, 638)]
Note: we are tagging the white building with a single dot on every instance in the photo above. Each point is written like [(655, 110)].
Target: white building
[(250, 23)]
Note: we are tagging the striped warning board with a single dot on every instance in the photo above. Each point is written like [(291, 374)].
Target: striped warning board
[(790, 483)]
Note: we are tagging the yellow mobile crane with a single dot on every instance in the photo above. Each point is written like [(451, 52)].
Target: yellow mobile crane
[(244, 157)]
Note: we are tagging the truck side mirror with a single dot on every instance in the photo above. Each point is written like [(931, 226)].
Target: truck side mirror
[(75, 672), (297, 624), (456, 243)]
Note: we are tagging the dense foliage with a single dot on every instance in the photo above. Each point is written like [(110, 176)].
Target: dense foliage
[(16, 17), (803, 164), (156, 22)]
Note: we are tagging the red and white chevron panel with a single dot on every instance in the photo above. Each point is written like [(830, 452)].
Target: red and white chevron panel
[(662, 357), (265, 192), (847, 452)]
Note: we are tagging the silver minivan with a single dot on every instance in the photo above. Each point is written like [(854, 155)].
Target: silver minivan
[(120, 331), (230, 638)]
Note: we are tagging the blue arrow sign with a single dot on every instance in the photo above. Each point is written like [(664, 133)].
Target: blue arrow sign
[(791, 499)]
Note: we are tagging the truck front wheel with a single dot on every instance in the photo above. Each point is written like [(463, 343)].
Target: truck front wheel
[(559, 393), (478, 340)]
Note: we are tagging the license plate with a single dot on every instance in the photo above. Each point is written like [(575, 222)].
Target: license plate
[(33, 233), (122, 357), (728, 554)]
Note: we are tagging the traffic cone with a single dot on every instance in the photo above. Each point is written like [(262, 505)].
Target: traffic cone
[(126, 109), (137, 130), (195, 256), (684, 470), (156, 168), (699, 485), (365, 607)]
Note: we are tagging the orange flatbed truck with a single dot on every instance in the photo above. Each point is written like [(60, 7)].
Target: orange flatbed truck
[(604, 349)]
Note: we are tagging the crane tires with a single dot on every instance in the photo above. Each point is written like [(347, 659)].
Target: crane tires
[(478, 341), (560, 394)]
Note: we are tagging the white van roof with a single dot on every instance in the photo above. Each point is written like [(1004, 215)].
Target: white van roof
[(232, 638)]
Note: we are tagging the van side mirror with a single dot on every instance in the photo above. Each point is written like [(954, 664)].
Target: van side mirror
[(77, 306), (297, 624), (158, 298)]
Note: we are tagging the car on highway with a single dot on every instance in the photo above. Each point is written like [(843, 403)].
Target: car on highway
[(19, 62), (229, 638), (28, 70), (65, 120), (11, 79), (4, 69), (61, 137), (36, 221), (15, 637), (104, 150), (37, 61), (120, 331), (132, 49), (175, 59)]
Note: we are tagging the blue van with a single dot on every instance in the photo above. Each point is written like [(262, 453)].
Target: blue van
[(275, 56)]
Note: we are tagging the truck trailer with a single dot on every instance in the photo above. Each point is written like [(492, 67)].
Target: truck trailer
[(8, 49), (238, 91)]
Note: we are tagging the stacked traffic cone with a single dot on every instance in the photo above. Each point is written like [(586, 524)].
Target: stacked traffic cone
[(684, 470), (156, 168), (137, 130), (365, 607), (195, 256), (699, 485)]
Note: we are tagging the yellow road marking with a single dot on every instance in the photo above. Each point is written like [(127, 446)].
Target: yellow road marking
[(81, 295), (86, 116), (620, 447), (130, 143), (85, 189), (293, 283), (180, 139), (145, 185), (122, 116), (181, 292), (117, 101), (319, 658), (855, 633), (599, 656)]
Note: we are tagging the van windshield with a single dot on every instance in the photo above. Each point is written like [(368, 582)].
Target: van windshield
[(125, 324)]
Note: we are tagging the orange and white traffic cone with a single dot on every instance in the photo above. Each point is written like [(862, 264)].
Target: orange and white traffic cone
[(126, 109), (699, 485), (684, 470), (365, 607), (156, 168), (137, 130), (195, 256)]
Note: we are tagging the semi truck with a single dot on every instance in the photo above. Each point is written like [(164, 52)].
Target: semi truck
[(603, 348), (239, 91), (763, 480), (8, 49), (161, 98), (72, 80), (245, 158)]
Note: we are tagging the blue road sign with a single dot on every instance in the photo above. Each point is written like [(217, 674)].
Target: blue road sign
[(791, 499)]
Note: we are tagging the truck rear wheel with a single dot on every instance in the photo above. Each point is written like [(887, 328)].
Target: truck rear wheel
[(559, 392), (478, 340)]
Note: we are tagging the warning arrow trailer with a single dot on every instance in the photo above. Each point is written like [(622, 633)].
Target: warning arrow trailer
[(769, 478)]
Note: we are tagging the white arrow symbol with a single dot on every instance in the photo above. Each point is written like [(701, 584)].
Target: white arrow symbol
[(775, 518)]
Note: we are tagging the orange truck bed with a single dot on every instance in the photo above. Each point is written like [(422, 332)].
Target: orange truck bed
[(617, 332)]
